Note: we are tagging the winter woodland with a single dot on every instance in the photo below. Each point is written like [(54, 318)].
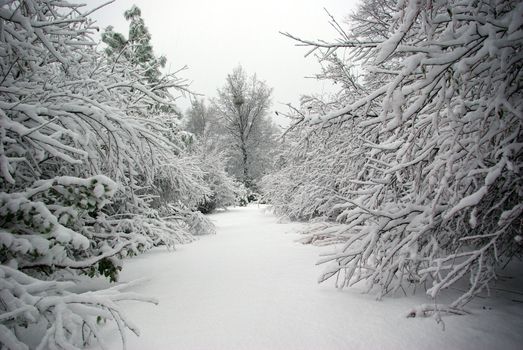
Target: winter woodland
[(411, 171)]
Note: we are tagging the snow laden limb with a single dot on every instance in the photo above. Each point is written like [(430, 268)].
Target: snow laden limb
[(195, 222), (61, 319), (47, 227), (96, 117), (46, 232), (435, 195), (95, 113), (304, 188), (68, 114)]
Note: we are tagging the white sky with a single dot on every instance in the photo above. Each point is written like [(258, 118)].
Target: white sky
[(212, 37)]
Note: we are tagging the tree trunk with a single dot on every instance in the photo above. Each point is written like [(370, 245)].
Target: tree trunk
[(246, 181)]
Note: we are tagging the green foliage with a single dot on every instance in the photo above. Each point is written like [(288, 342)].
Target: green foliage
[(137, 48), (40, 228), (105, 267)]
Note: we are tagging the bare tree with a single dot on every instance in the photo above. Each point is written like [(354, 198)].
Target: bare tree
[(242, 106)]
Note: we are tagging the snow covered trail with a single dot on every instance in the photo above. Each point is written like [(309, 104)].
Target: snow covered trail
[(252, 286)]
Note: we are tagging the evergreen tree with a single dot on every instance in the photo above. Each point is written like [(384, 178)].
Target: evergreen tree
[(137, 48)]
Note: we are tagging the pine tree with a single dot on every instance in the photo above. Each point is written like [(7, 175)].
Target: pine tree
[(137, 48)]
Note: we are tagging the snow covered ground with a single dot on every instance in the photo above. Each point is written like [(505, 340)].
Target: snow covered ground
[(252, 286)]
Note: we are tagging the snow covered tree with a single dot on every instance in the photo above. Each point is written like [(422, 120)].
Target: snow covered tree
[(311, 169), (199, 119), (77, 161), (202, 121), (433, 192), (242, 107), (207, 144), (137, 48), (223, 188)]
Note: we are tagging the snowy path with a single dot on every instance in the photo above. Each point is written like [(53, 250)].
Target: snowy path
[(252, 287)]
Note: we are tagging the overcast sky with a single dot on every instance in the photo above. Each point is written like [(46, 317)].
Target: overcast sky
[(212, 37)]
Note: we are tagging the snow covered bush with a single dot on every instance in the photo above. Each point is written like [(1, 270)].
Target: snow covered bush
[(222, 186), (48, 315), (50, 233), (69, 113), (434, 194), (241, 194), (207, 142), (52, 225), (198, 223), (304, 188)]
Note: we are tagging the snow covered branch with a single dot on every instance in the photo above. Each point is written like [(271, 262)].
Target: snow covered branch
[(84, 154), (425, 147)]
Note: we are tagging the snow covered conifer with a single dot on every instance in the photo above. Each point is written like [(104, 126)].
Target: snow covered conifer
[(137, 48)]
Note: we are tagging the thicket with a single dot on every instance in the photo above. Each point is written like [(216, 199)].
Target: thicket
[(416, 164), (92, 170)]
